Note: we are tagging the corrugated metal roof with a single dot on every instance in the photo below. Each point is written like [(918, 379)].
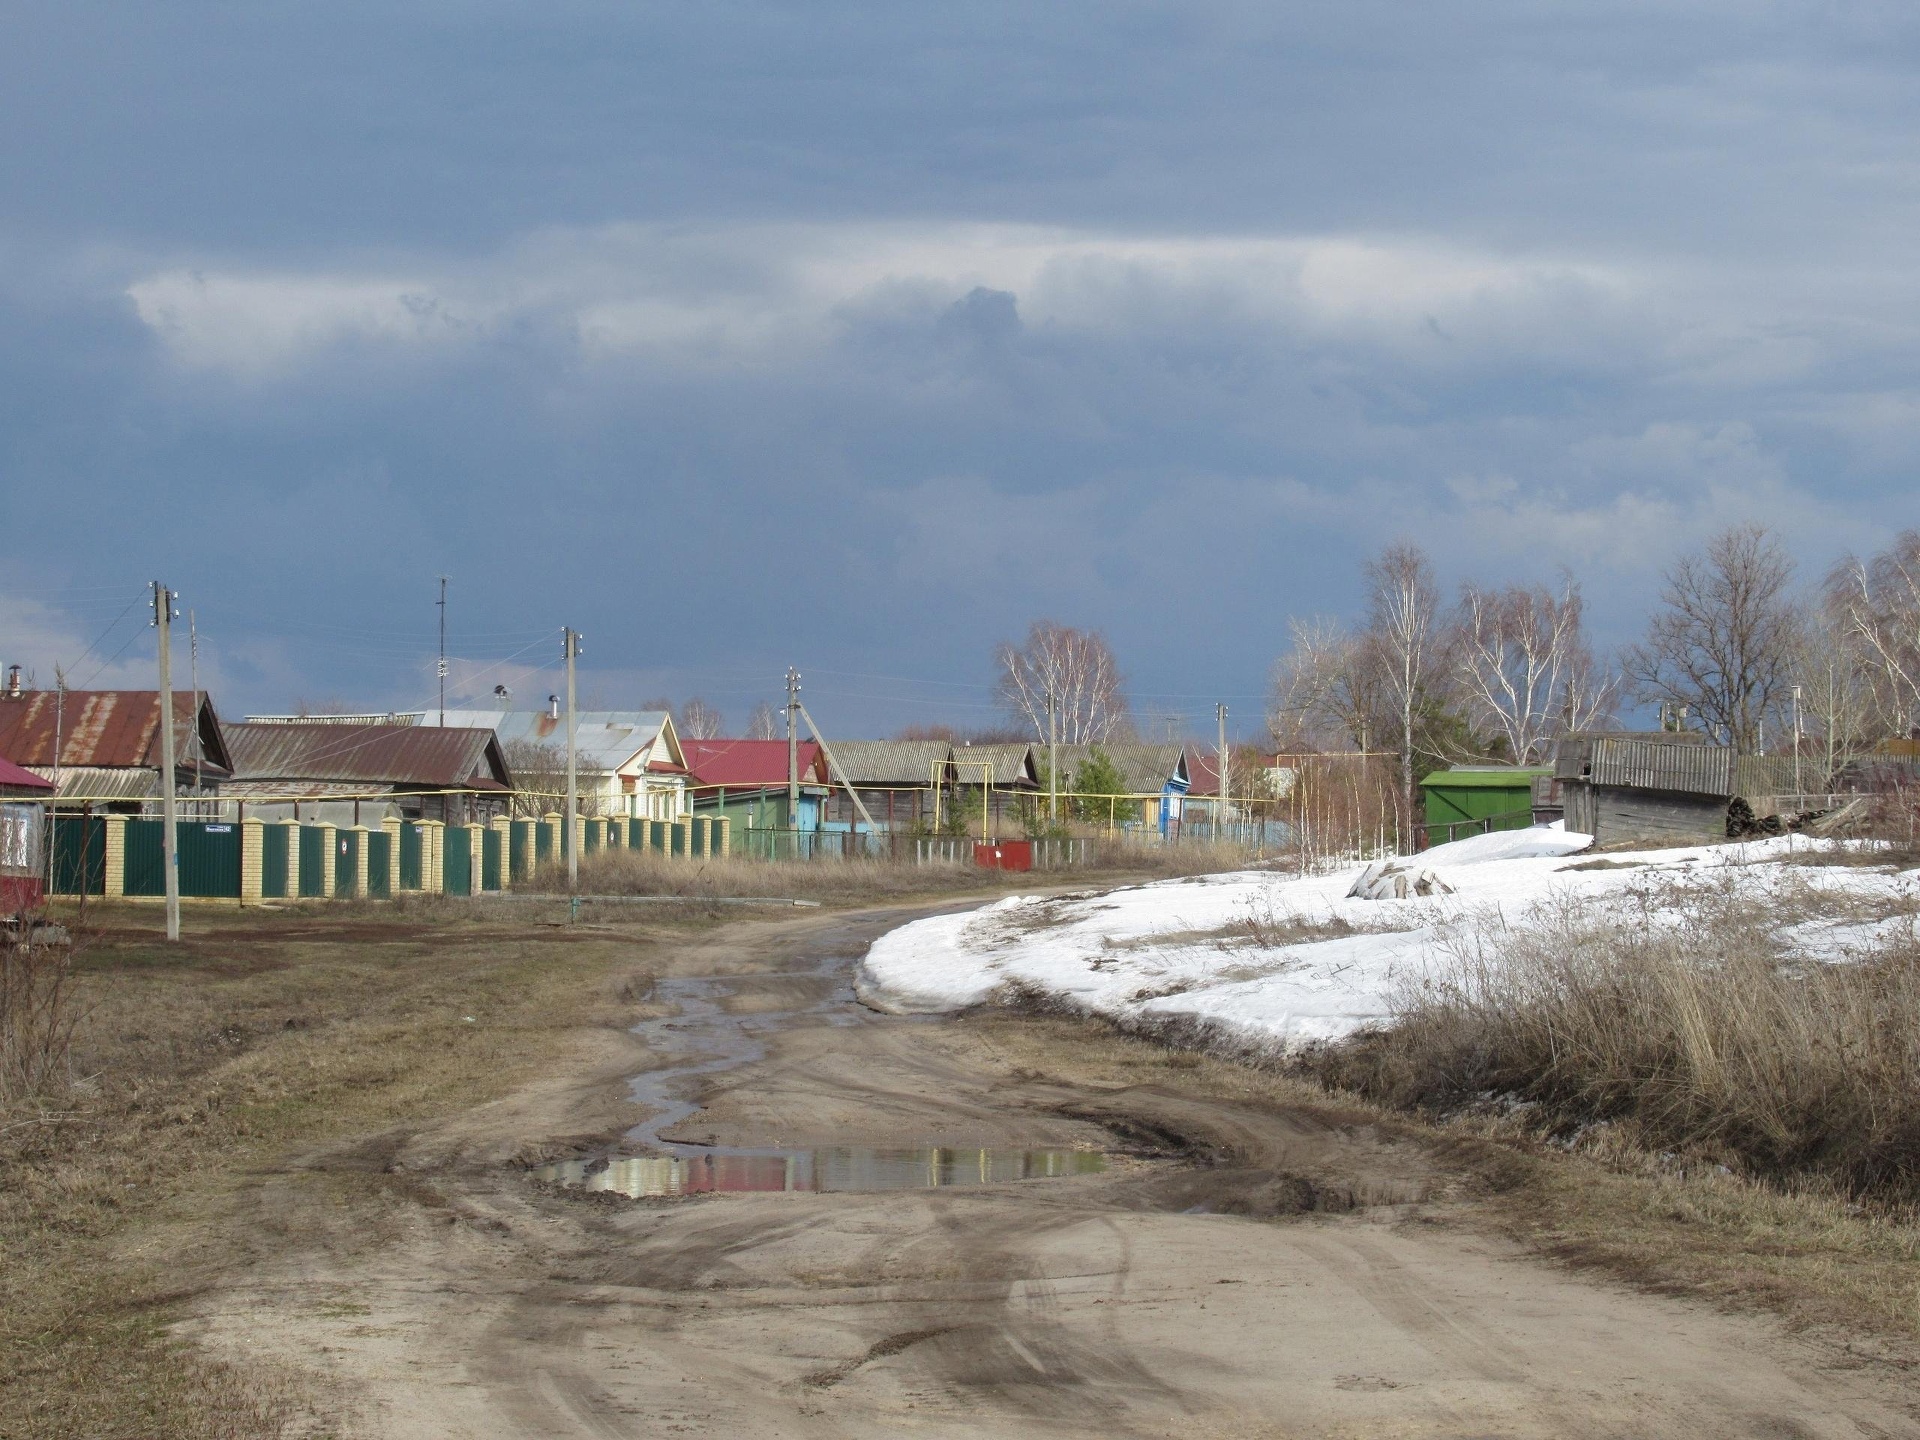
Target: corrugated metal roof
[(107, 728), (603, 739), (423, 756), (750, 764), (1487, 777), (103, 782), (1573, 754), (889, 764), (1144, 769), (1012, 764), (1663, 765)]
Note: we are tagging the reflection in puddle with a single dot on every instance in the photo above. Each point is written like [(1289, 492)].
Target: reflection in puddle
[(838, 1168)]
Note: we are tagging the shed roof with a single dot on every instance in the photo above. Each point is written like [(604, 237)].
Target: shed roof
[(423, 756), (113, 729), (750, 764), (1486, 777), (889, 764), (1013, 764)]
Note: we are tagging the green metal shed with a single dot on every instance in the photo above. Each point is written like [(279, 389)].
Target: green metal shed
[(1471, 799)]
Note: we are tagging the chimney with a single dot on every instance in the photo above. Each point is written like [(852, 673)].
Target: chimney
[(13, 682)]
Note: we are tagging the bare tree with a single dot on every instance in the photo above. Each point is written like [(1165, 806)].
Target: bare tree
[(1841, 708), (1404, 632), (1326, 691), (659, 702), (539, 771), (763, 724), (1076, 668), (699, 720), (1723, 641), (1877, 601), (1526, 667)]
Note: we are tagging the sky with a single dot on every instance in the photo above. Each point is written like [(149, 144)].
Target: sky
[(856, 337)]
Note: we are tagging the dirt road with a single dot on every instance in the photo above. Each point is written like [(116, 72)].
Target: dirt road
[(1233, 1270)]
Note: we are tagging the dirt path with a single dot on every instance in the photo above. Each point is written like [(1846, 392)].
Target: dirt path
[(1242, 1270)]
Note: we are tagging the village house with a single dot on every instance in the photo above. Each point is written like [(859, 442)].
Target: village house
[(746, 781), (23, 818), (360, 773), (1011, 772), (629, 762), (1154, 779), (102, 748), (895, 780)]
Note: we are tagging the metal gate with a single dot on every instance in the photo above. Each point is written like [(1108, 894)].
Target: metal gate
[(519, 850), (490, 859), (379, 864), (313, 855), (456, 860), (411, 836), (346, 862), (79, 854)]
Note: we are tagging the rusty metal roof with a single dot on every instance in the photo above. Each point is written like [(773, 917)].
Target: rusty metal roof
[(113, 729), (422, 756)]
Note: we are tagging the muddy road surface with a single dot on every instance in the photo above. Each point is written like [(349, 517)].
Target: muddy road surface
[(827, 1222)]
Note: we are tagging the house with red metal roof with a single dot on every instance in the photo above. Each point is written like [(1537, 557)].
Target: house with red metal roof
[(103, 746), (746, 781)]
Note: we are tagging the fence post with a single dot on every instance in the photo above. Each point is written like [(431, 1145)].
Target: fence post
[(723, 828), (292, 828), (253, 861), (114, 882), (392, 826), (328, 859), (433, 856)]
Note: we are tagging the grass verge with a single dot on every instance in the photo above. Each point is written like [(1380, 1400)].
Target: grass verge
[(260, 1036)]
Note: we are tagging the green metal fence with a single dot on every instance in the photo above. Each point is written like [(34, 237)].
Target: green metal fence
[(209, 859), (456, 860), (273, 862), (379, 864), (313, 856), (145, 871), (411, 839), (490, 849), (346, 862), (79, 854), (519, 850)]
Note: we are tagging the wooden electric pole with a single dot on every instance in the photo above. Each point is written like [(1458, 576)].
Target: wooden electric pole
[(570, 644), (163, 599)]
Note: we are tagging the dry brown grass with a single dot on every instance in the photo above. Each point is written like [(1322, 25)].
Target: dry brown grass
[(1685, 1025), (261, 1036), (831, 880)]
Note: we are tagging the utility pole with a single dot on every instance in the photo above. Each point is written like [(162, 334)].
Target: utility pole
[(1799, 804), (193, 671), (570, 644), (443, 655), (793, 749), (163, 599), (1220, 714)]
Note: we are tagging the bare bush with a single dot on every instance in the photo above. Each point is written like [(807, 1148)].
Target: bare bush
[(37, 1019), (1686, 1023)]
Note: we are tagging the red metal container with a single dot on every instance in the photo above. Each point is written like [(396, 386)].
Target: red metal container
[(1003, 854)]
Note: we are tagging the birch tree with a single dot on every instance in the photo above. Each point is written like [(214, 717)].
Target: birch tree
[(1404, 631), (1525, 665), (762, 723), (700, 721), (1075, 667), (1877, 601)]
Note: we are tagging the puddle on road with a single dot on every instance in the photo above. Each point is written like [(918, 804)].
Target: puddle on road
[(839, 1168), (702, 1037)]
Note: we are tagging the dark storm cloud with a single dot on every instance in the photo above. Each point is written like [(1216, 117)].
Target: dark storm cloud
[(738, 334)]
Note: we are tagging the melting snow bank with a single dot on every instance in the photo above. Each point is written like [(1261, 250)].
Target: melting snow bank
[(1267, 962)]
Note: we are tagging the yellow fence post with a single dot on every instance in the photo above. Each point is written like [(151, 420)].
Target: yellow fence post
[(392, 826), (252, 860), (328, 861), (114, 882)]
